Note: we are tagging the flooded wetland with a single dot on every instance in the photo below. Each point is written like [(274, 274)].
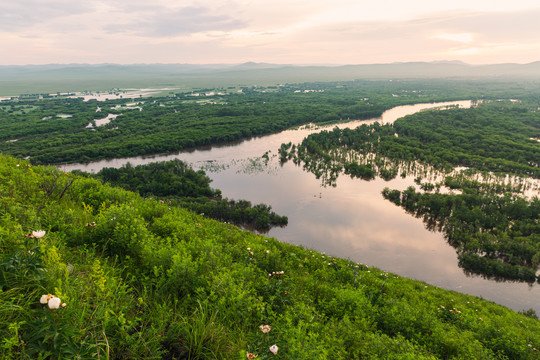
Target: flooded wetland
[(350, 219)]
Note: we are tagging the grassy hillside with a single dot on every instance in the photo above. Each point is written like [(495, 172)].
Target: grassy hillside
[(141, 279)]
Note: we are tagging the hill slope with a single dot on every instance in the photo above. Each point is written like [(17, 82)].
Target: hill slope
[(141, 279)]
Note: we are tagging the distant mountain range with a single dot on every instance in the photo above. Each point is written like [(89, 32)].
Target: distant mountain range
[(398, 69), (59, 77)]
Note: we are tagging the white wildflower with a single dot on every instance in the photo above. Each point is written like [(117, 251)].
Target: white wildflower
[(274, 349), (38, 234), (265, 328), (54, 303)]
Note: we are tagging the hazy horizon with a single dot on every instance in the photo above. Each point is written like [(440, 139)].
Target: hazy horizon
[(297, 32), (271, 64)]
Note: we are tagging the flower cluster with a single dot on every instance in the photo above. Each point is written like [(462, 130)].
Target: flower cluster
[(265, 328), (453, 310), (273, 349), (51, 300)]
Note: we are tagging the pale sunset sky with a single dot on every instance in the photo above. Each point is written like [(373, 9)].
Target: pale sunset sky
[(273, 31)]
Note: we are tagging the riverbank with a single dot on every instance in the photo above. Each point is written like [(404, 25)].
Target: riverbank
[(351, 220), (142, 278)]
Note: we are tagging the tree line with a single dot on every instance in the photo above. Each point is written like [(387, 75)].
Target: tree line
[(176, 183), (493, 228), (181, 120)]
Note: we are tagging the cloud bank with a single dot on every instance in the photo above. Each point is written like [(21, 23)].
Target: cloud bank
[(294, 31)]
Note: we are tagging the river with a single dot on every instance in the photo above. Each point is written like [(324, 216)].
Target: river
[(351, 220)]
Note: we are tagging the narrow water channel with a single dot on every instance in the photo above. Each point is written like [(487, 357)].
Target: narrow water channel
[(351, 220)]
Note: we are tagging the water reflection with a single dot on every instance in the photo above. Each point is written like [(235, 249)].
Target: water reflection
[(256, 146), (351, 220)]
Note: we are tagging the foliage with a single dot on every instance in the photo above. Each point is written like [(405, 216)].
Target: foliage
[(183, 120), (496, 236), (148, 279), (162, 179), (142, 279), (176, 183), (495, 137)]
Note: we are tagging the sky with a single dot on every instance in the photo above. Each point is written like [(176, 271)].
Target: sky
[(272, 31)]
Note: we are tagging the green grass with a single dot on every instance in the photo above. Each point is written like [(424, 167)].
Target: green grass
[(141, 279)]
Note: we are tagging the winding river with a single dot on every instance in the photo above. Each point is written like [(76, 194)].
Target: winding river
[(351, 220)]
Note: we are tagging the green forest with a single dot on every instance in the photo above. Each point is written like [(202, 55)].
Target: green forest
[(146, 262), (495, 236), (176, 183), (494, 229), (55, 130), (92, 271), (499, 137)]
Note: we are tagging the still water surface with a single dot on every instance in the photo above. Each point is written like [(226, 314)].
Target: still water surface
[(351, 220)]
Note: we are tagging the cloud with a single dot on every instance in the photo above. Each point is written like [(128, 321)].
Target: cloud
[(474, 34), (21, 14), (500, 26), (285, 31), (512, 25), (458, 37), (184, 21)]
